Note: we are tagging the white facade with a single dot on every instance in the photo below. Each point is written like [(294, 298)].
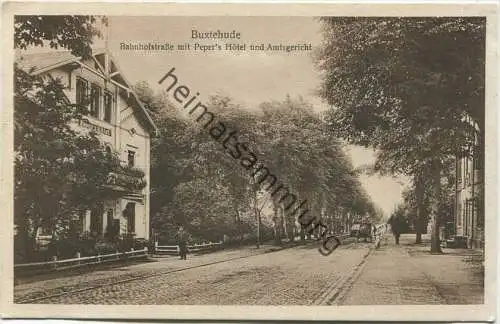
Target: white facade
[(469, 223), (469, 216), (120, 121)]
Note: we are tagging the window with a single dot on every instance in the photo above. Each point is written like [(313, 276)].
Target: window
[(81, 91), (95, 98), (110, 227), (131, 159), (76, 225), (478, 158), (459, 214), (480, 211), (466, 170), (130, 214), (96, 221), (108, 104), (469, 214), (82, 219)]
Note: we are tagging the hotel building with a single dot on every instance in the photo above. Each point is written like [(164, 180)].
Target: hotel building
[(120, 121)]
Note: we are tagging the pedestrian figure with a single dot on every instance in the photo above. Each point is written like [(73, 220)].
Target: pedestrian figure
[(397, 226), (182, 241)]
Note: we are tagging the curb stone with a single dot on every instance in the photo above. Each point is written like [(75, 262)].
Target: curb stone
[(349, 282), (340, 286), (336, 292)]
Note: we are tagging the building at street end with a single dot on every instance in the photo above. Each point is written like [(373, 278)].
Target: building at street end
[(121, 123), (466, 226)]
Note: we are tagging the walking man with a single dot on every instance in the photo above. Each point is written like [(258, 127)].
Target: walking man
[(396, 226), (182, 241)]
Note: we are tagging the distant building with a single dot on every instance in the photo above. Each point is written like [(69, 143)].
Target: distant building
[(121, 122), (466, 228)]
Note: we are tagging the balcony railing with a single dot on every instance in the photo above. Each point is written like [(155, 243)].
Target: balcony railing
[(127, 179)]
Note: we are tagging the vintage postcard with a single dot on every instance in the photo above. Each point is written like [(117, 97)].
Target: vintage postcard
[(249, 162)]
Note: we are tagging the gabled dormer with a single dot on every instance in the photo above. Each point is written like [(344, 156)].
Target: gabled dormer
[(97, 81)]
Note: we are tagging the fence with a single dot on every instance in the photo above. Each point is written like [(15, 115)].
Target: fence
[(174, 249), (58, 265)]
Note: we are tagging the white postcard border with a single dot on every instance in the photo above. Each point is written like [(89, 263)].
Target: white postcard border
[(424, 312)]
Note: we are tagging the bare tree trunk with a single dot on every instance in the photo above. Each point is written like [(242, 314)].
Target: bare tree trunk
[(276, 225), (258, 230), (283, 233), (25, 239), (238, 219), (285, 227), (257, 217), (436, 184), (291, 232), (420, 208)]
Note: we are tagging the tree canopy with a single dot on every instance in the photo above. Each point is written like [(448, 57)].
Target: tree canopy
[(194, 180), (197, 183), (407, 87), (75, 33)]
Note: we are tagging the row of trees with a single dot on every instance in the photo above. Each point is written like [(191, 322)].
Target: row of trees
[(415, 210), (59, 173), (409, 88), (195, 181)]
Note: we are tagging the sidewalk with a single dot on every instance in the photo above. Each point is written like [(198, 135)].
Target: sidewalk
[(407, 274)]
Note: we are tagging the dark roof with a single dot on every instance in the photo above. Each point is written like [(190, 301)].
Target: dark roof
[(43, 60)]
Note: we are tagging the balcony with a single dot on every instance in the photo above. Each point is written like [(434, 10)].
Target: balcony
[(127, 180)]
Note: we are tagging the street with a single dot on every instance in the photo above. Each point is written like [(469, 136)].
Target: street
[(295, 276), (354, 274)]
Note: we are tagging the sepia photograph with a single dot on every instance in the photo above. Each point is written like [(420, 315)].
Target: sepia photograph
[(325, 161)]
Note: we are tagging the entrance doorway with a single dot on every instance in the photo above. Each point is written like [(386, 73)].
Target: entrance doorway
[(96, 221), (130, 215)]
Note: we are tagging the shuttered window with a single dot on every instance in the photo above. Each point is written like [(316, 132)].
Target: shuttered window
[(81, 91), (95, 99), (108, 106)]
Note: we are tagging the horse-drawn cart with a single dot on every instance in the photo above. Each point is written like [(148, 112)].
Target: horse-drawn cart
[(363, 230)]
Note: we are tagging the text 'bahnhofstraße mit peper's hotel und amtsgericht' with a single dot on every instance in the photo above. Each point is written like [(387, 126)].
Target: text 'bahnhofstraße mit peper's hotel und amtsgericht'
[(215, 47), (203, 42)]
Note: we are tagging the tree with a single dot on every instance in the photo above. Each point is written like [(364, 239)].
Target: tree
[(170, 149), (202, 186), (316, 168), (75, 33), (404, 87), (194, 182)]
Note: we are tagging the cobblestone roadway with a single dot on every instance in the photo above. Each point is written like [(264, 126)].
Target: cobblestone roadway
[(29, 290), (294, 276)]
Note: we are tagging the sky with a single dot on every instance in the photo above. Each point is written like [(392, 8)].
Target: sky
[(249, 77)]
